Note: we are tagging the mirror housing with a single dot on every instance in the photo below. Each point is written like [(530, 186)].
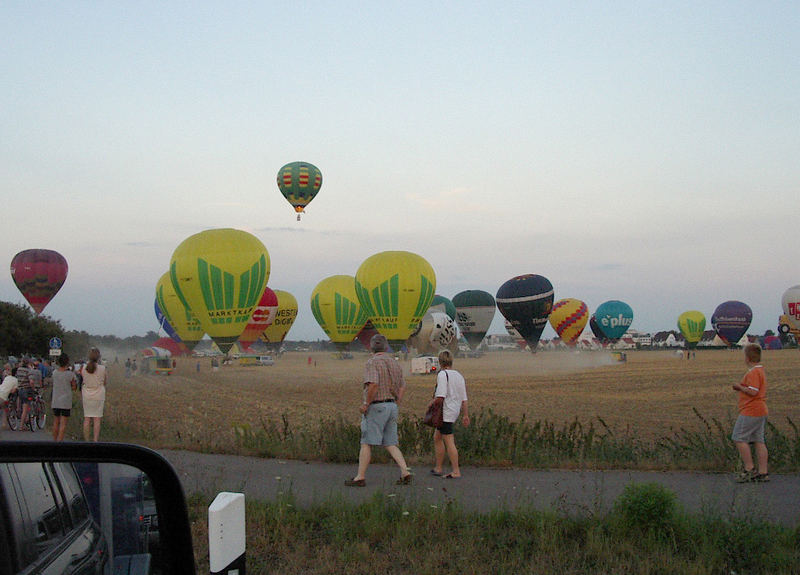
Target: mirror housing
[(175, 531)]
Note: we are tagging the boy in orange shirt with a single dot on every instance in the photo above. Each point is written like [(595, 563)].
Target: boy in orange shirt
[(752, 420)]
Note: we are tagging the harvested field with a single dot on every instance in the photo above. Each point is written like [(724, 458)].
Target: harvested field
[(653, 392)]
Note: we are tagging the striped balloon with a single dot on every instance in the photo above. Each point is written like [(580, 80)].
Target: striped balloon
[(568, 318)]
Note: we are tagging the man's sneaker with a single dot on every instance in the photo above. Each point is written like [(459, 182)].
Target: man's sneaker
[(761, 477), (746, 476)]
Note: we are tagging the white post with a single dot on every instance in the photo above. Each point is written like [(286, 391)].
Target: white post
[(226, 534)]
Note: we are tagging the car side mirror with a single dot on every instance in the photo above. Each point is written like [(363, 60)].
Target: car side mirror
[(91, 506)]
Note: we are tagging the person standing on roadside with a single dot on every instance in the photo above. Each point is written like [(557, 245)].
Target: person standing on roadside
[(64, 383), (451, 389), (383, 389), (93, 392), (752, 420)]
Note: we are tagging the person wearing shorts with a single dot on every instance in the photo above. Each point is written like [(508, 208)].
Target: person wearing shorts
[(383, 389), (451, 390), (749, 426), (64, 383)]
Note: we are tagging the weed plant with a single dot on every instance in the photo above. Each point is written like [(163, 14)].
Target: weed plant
[(495, 440), (646, 532)]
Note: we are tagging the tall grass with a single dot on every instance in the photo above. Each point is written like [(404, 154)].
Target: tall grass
[(495, 440), (646, 532)]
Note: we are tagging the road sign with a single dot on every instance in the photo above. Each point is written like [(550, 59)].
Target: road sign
[(54, 352), (55, 343)]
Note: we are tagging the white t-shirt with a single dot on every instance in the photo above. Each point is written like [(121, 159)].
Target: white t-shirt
[(451, 385)]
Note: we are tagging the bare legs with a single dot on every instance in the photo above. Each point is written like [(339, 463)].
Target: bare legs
[(445, 443), (87, 428), (59, 427), (747, 457), (365, 454)]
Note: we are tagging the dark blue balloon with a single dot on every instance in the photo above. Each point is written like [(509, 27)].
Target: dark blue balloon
[(731, 320), (526, 302)]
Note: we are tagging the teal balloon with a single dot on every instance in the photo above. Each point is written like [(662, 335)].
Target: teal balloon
[(614, 317), (441, 303)]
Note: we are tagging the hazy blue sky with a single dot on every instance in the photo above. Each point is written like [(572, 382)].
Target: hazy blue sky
[(642, 151)]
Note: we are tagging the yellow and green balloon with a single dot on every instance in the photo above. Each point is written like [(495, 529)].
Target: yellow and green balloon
[(220, 276), (299, 182), (692, 324), (395, 290), (336, 308), (181, 319)]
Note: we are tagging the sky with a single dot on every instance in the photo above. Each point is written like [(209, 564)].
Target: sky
[(639, 151)]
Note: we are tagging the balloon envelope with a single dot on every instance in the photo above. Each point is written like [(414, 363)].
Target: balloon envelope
[(731, 320), (614, 317), (181, 320), (262, 318), (336, 308), (474, 314), (39, 274), (442, 304), (299, 182), (220, 275), (791, 305), (568, 318), (692, 324), (164, 324), (284, 318), (395, 290), (526, 302)]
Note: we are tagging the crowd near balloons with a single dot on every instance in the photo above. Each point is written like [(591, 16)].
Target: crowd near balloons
[(216, 286)]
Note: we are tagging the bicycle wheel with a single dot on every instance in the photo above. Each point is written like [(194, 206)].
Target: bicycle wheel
[(13, 417), (41, 413)]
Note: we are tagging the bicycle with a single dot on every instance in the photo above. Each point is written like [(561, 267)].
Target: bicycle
[(37, 415), (13, 410)]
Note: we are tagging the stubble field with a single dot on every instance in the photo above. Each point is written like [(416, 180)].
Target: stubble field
[(651, 394)]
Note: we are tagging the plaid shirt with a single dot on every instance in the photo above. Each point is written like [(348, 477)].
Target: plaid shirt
[(384, 371)]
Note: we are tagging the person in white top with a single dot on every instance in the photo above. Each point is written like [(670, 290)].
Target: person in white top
[(93, 392), (451, 389)]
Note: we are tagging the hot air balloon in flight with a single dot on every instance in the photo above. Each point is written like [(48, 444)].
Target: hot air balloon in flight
[(474, 314), (299, 182), (395, 289), (274, 335), (692, 324), (731, 320), (220, 275), (568, 318), (336, 308), (526, 302), (791, 306), (262, 318), (614, 317), (39, 274), (181, 320)]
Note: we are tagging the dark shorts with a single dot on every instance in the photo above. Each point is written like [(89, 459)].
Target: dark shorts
[(27, 396), (58, 412), (446, 428)]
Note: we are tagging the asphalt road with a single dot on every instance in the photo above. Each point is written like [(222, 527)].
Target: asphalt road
[(577, 493)]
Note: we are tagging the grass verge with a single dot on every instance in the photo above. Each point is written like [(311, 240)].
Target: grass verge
[(646, 532)]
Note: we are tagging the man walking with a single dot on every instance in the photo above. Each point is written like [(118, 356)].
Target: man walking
[(384, 387)]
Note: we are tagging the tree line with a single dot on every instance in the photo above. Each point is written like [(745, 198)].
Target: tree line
[(22, 332)]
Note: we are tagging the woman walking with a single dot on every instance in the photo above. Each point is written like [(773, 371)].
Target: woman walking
[(64, 384), (452, 390), (93, 392)]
